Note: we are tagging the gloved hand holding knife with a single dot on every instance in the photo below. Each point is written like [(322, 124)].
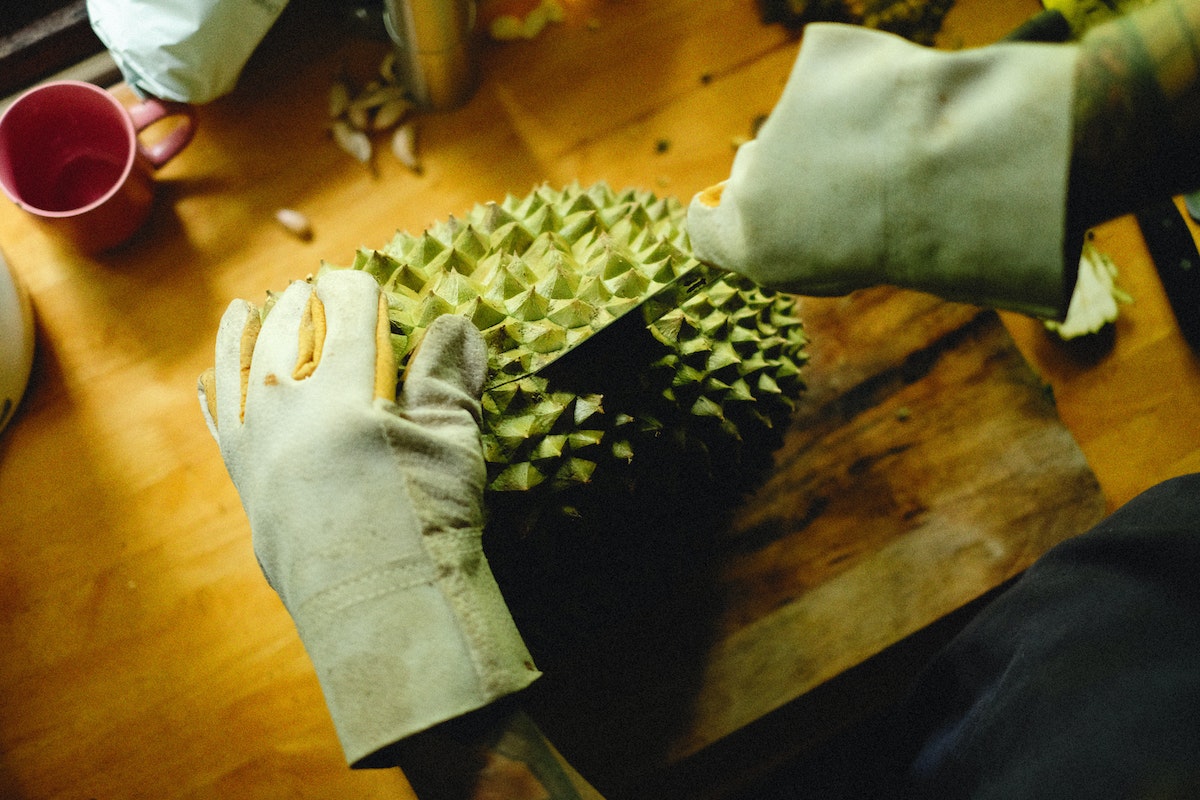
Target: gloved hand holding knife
[(968, 174)]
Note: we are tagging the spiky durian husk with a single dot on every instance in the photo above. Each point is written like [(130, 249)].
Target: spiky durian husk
[(708, 384)]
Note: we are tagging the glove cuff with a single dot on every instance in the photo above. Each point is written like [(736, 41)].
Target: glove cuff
[(413, 644), (886, 162)]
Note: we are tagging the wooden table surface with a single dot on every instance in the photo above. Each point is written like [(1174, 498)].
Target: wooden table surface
[(143, 655)]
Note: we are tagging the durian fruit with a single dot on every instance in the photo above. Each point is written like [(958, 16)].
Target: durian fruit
[(689, 401)]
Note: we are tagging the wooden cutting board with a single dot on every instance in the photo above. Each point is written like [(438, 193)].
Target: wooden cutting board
[(925, 465)]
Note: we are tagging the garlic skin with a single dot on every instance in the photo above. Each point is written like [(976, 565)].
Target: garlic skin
[(295, 223)]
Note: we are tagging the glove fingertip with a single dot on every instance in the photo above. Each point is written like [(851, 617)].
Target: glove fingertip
[(709, 230), (453, 351), (276, 342)]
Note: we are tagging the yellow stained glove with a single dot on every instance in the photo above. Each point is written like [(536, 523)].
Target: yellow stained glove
[(367, 514), (889, 163)]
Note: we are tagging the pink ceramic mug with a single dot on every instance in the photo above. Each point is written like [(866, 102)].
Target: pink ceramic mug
[(71, 157)]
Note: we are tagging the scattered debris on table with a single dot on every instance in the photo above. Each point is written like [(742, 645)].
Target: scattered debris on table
[(523, 19), (1097, 298), (916, 20)]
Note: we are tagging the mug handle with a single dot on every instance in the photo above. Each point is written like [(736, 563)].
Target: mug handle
[(151, 110)]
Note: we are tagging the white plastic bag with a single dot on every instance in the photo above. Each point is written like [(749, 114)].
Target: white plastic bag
[(191, 51)]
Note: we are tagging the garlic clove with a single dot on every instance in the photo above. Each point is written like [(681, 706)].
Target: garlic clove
[(352, 141), (404, 147), (295, 223)]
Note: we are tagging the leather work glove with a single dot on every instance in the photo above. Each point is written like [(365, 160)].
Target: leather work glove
[(889, 163), (367, 513)]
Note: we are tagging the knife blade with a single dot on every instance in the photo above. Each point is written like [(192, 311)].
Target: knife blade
[(1192, 202), (1172, 247)]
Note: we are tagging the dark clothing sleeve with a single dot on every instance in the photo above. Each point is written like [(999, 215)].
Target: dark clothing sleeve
[(1082, 680)]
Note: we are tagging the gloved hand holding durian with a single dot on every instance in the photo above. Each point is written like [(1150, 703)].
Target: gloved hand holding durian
[(367, 513), (889, 163)]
